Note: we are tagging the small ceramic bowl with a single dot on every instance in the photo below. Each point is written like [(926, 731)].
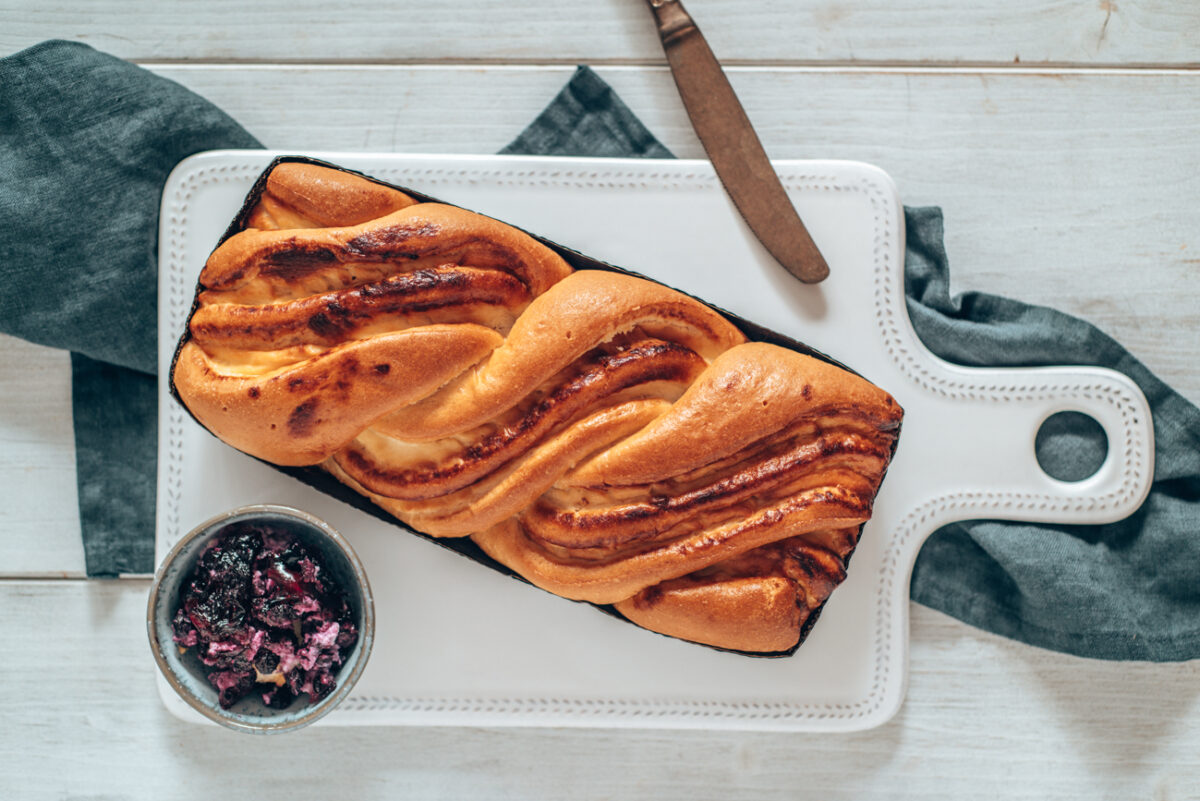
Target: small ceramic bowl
[(184, 671)]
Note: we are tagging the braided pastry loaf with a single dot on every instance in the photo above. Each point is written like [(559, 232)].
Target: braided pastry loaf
[(608, 438)]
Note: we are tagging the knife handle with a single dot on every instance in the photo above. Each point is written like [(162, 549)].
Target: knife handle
[(672, 18)]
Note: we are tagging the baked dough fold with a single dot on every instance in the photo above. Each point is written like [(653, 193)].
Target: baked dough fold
[(606, 437)]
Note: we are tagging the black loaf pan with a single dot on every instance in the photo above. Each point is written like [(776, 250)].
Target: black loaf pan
[(319, 479)]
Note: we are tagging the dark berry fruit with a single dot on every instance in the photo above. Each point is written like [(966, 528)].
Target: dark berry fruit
[(266, 661), (257, 601)]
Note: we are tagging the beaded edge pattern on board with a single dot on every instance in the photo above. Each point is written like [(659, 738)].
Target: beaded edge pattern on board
[(886, 317)]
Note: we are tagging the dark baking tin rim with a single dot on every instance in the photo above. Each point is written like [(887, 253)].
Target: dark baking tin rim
[(322, 481)]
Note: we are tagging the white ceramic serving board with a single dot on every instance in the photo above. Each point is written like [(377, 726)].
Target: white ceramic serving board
[(458, 644)]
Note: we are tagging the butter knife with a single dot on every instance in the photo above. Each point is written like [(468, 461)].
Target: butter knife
[(733, 147)]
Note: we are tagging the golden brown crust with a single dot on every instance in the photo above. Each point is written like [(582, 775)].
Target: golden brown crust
[(303, 413), (504, 493), (757, 613), (607, 438), (775, 588), (623, 573), (713, 419), (584, 521), (308, 196), (292, 262), (579, 313), (446, 294), (651, 369)]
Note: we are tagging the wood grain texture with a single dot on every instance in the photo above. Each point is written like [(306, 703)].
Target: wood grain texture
[(1065, 188), (39, 529), (810, 31), (985, 718), (1071, 189)]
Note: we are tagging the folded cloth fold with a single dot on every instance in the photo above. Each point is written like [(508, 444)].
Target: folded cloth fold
[(1122, 591), (86, 142), (1127, 590)]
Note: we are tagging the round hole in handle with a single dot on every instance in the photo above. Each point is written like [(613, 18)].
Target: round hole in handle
[(1070, 446)]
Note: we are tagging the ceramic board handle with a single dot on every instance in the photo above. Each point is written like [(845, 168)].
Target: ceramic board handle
[(987, 425)]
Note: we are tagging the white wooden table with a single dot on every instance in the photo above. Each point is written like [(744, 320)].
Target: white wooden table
[(1062, 138)]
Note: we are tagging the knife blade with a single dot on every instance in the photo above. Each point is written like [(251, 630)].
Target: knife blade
[(733, 147)]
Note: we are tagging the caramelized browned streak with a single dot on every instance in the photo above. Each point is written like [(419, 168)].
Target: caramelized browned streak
[(504, 492), (780, 586), (333, 317), (584, 311), (426, 233), (749, 395), (608, 576), (821, 422), (832, 420), (847, 455), (814, 571), (752, 526), (292, 271), (600, 377), (588, 546)]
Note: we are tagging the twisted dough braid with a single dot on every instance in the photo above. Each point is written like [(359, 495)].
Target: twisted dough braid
[(606, 437)]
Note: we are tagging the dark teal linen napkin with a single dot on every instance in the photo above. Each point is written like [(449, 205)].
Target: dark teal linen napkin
[(1127, 590), (1124, 591), (86, 143)]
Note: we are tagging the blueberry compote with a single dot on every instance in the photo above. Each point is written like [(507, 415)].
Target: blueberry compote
[(264, 617)]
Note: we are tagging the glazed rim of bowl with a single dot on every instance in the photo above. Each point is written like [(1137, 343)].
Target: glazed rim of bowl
[(346, 679)]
